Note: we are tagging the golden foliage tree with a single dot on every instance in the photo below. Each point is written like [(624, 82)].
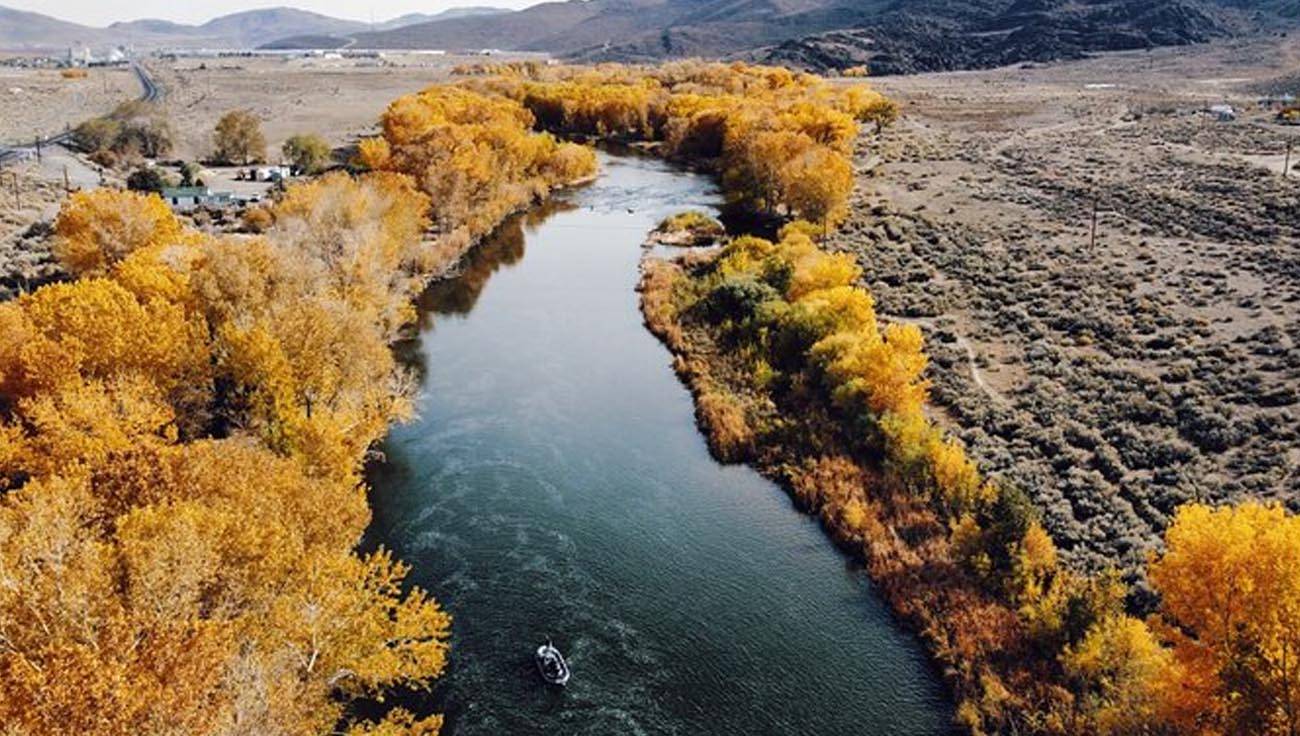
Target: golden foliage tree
[(95, 329), (1229, 582), (192, 587), (1121, 668), (154, 580), (98, 228), (308, 153), (780, 140), (474, 153)]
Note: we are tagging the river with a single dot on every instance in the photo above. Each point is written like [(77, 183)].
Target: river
[(555, 485)]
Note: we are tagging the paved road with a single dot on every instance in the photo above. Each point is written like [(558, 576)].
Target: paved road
[(153, 92)]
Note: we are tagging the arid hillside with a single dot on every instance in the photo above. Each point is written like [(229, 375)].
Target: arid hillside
[(1112, 380)]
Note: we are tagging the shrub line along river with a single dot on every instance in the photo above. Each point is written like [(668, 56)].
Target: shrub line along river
[(555, 485)]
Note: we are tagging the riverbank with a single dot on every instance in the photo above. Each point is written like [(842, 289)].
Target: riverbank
[(800, 442), (542, 498)]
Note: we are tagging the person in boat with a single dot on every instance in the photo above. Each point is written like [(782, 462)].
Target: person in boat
[(551, 664), (553, 668)]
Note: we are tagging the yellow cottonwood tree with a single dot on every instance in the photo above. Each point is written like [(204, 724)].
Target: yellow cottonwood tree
[(1122, 669), (95, 229), (94, 328), (152, 581), (1229, 582), (474, 153)]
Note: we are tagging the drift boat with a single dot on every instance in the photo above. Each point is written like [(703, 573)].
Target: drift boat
[(552, 665)]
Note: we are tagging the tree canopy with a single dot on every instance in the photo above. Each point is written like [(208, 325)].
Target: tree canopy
[(181, 437), (238, 138)]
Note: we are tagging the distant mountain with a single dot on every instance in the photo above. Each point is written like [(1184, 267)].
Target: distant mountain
[(338, 41), (255, 27), (26, 31), (892, 36), (411, 19), (20, 29), (628, 29), (938, 35), (150, 26)]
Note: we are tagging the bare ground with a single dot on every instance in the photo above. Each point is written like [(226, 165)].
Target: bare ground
[(41, 102), (27, 198), (1113, 381), (338, 99)]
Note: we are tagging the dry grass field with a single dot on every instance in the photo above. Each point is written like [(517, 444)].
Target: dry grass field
[(339, 99), (41, 102), (1112, 381)]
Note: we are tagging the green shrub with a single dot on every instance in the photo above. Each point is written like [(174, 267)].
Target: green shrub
[(738, 298)]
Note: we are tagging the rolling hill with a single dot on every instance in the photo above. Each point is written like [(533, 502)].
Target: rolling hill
[(411, 19), (20, 29), (346, 38), (27, 31), (892, 35)]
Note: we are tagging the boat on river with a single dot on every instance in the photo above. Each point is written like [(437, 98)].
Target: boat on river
[(552, 665)]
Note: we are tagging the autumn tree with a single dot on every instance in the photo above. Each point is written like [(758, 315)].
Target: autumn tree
[(1120, 670), (817, 184), (95, 329), (146, 180), (96, 134), (211, 582), (780, 140), (191, 587), (1229, 582), (474, 154), (132, 130), (308, 153), (238, 138), (98, 228)]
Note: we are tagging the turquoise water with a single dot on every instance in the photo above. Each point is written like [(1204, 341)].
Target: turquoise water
[(555, 485)]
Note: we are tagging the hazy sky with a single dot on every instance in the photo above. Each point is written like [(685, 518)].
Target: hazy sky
[(100, 13)]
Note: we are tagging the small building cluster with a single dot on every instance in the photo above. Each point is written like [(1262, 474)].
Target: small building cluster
[(271, 174), (76, 57), (188, 199), (81, 57)]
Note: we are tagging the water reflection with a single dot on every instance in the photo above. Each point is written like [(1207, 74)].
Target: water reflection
[(504, 248), (555, 485)]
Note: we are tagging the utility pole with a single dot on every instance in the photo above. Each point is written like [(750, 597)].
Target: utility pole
[(1092, 234), (1286, 167), (17, 200), (67, 185), (38, 149)]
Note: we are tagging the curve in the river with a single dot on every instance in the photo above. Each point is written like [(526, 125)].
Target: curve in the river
[(556, 485)]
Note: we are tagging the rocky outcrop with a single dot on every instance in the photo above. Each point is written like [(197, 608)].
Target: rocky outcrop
[(918, 38)]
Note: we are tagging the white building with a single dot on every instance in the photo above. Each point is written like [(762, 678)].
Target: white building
[(270, 173), (79, 56), (1224, 113), (186, 199)]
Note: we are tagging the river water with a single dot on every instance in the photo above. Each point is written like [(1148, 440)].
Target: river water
[(555, 485)]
